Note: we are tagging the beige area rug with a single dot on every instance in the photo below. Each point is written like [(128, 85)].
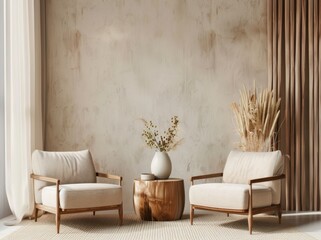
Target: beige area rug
[(206, 226)]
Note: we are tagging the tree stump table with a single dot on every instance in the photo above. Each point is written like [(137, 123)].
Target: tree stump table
[(159, 200)]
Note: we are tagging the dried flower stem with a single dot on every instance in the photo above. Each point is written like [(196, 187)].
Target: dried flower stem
[(256, 118), (164, 142)]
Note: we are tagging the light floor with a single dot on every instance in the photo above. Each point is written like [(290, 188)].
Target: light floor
[(305, 222), (7, 230)]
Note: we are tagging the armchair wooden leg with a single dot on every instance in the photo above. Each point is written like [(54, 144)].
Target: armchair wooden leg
[(279, 214), (250, 222), (120, 213), (58, 221), (36, 214), (191, 214), (228, 214), (94, 213)]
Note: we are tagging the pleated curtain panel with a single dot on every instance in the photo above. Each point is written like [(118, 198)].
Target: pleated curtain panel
[(294, 71), (22, 86)]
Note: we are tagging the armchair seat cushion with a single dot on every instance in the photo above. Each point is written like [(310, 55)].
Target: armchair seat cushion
[(229, 195), (83, 195)]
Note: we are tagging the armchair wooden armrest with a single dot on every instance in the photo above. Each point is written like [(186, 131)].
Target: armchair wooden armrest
[(50, 180), (110, 176), (45, 179), (266, 179), (199, 177)]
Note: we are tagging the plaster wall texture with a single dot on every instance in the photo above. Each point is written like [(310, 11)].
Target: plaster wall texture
[(111, 63)]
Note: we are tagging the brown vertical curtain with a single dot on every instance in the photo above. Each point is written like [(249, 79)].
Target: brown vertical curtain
[(294, 69)]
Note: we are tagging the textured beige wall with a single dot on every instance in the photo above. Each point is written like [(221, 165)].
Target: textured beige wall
[(111, 63)]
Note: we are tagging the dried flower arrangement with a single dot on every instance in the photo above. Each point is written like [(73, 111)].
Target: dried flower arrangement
[(162, 143), (256, 117)]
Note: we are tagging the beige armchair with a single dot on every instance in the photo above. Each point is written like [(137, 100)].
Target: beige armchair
[(65, 182), (251, 184)]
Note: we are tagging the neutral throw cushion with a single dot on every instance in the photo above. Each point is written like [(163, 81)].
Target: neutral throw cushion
[(84, 195), (68, 167), (229, 195)]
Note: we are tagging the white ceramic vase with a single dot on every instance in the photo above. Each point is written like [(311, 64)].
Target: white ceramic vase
[(161, 165)]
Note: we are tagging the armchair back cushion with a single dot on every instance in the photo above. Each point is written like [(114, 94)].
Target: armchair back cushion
[(68, 167), (240, 167)]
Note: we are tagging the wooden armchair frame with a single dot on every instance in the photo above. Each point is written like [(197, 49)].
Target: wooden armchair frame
[(250, 211), (59, 211)]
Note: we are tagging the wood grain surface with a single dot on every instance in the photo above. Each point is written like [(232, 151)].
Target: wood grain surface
[(159, 200)]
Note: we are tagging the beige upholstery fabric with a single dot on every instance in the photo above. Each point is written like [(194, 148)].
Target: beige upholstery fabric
[(243, 166), (69, 167), (84, 195), (78, 190), (229, 195)]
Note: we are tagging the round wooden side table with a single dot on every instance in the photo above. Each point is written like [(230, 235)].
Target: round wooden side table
[(159, 200)]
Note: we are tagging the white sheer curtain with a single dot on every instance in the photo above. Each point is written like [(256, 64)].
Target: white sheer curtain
[(23, 121)]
